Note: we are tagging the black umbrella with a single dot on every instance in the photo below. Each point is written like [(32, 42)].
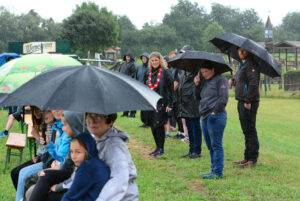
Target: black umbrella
[(229, 43), (193, 60), (84, 89)]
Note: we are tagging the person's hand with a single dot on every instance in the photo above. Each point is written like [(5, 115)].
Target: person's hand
[(247, 106), (197, 79), (231, 83), (41, 174), (53, 188), (168, 109), (42, 141), (55, 165), (27, 107), (34, 159), (176, 85)]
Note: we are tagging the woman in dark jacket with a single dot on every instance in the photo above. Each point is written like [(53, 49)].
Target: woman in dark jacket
[(213, 96), (159, 80)]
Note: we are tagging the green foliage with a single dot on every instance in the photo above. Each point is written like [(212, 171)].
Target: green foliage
[(294, 73), (211, 31), (90, 28)]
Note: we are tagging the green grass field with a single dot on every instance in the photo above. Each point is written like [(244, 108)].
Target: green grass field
[(276, 176)]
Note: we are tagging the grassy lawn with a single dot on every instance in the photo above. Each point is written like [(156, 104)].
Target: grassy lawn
[(276, 177)]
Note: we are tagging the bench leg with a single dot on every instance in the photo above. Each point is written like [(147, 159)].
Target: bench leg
[(7, 160), (21, 155)]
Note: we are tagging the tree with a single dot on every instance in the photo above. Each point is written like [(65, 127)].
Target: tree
[(291, 25), (188, 20), (210, 32), (91, 28)]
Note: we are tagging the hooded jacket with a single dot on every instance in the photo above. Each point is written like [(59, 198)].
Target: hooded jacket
[(142, 68), (128, 68), (114, 152), (91, 175)]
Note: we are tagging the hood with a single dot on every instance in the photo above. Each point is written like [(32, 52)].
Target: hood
[(113, 132), (128, 54), (145, 54), (90, 143), (76, 121)]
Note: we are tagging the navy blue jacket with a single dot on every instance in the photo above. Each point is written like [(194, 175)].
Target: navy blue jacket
[(91, 175)]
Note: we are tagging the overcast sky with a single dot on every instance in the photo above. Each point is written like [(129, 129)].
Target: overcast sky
[(141, 11)]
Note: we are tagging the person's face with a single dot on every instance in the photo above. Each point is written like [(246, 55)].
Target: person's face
[(97, 125), (127, 59), (207, 73), (48, 117), (155, 62), (172, 55), (243, 54), (37, 113), (78, 153), (144, 59), (67, 128), (57, 114)]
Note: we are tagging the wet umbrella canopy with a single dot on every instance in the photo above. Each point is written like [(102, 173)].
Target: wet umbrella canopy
[(84, 89), (229, 43), (193, 60)]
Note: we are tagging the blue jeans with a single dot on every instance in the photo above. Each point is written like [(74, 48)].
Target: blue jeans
[(213, 129), (25, 173), (195, 135)]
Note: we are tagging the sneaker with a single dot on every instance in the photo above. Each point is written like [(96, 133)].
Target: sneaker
[(151, 154), (159, 152), (194, 156), (212, 176), (3, 134), (240, 162), (248, 164)]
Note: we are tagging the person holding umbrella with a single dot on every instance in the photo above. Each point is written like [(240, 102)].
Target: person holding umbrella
[(254, 59), (159, 80), (213, 96), (246, 83)]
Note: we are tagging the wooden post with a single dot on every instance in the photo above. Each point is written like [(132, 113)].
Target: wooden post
[(286, 60), (296, 58)]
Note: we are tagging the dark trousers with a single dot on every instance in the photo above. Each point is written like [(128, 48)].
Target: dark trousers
[(15, 172), (195, 134), (159, 136), (130, 113), (248, 124), (44, 183), (180, 125)]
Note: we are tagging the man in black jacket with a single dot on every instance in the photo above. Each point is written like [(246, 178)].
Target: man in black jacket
[(128, 68), (247, 93)]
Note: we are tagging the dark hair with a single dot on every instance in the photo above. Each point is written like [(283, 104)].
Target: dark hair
[(110, 118), (82, 143)]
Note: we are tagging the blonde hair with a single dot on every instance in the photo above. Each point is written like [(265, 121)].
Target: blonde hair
[(161, 59)]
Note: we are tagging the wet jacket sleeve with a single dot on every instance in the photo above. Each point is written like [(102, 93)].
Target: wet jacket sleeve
[(60, 149), (222, 95), (169, 90), (252, 91), (115, 189)]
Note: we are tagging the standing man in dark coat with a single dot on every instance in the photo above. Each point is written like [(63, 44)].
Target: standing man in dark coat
[(140, 75), (189, 110), (128, 68), (247, 93)]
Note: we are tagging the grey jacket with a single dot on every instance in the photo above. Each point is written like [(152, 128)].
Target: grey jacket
[(213, 95), (114, 152)]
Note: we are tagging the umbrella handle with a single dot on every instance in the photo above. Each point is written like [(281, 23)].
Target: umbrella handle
[(230, 63)]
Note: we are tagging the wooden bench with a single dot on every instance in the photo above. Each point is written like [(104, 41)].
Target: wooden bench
[(31, 140), (15, 141)]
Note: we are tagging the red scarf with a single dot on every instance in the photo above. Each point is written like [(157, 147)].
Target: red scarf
[(150, 85)]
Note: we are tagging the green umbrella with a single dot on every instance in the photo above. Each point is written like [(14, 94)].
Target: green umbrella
[(18, 71)]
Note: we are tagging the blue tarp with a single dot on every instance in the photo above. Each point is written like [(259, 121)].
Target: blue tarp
[(5, 57)]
